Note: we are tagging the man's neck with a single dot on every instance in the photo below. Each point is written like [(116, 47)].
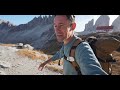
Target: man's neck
[(68, 40)]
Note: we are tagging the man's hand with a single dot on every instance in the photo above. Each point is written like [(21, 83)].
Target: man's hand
[(41, 66)]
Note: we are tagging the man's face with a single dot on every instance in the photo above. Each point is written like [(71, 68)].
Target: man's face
[(62, 27)]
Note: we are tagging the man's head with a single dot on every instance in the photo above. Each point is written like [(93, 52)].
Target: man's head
[(64, 26)]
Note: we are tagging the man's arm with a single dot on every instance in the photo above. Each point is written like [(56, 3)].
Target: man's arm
[(43, 64), (87, 60), (56, 56)]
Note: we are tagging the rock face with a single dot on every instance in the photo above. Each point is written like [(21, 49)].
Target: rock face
[(37, 32), (103, 20), (89, 26), (116, 24), (5, 25)]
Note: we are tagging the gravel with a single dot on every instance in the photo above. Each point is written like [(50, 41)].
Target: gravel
[(13, 64)]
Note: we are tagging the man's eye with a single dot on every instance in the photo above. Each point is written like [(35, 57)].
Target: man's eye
[(55, 26), (61, 25)]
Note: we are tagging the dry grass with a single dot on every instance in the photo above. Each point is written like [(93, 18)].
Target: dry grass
[(51, 66), (9, 45), (55, 69), (116, 66), (33, 54), (56, 62), (41, 52), (116, 69), (116, 55)]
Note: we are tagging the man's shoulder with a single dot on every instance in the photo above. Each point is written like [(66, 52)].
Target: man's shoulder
[(77, 37), (81, 41), (83, 45)]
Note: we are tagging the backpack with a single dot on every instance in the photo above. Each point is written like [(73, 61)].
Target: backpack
[(106, 64)]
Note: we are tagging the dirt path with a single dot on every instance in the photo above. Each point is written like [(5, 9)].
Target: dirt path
[(12, 64)]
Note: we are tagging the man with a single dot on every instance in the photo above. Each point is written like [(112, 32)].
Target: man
[(64, 26)]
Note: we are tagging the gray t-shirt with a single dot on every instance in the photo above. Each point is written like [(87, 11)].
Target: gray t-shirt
[(85, 58)]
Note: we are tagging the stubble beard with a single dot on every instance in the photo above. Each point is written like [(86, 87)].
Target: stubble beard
[(60, 39)]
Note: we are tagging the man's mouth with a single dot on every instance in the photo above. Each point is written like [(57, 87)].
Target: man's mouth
[(59, 34)]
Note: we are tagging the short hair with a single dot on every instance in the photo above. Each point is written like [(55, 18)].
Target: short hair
[(70, 17)]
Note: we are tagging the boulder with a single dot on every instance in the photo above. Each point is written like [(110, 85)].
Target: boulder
[(27, 46), (2, 73), (4, 64)]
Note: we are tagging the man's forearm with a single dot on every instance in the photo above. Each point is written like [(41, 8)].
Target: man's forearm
[(48, 61)]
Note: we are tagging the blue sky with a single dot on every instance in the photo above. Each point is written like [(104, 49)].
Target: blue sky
[(18, 19), (81, 20)]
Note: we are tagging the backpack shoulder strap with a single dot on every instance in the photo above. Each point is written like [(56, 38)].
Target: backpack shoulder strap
[(73, 48), (72, 54)]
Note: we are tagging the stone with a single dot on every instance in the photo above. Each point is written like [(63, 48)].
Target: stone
[(116, 24), (4, 64)]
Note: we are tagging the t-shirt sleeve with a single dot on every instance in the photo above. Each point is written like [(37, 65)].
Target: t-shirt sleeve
[(87, 60), (58, 55)]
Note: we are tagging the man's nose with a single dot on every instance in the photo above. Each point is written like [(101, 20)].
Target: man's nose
[(57, 28)]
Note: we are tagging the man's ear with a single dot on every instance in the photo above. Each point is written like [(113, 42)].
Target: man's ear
[(73, 26)]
